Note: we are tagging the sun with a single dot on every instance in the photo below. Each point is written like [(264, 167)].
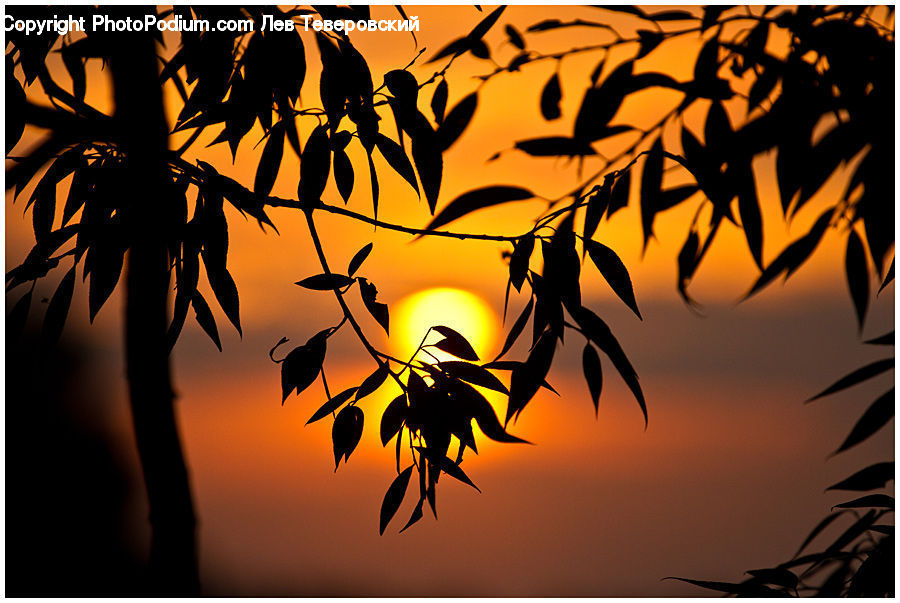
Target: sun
[(460, 310)]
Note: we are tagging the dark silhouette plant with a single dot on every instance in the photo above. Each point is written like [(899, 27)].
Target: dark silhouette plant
[(832, 66)]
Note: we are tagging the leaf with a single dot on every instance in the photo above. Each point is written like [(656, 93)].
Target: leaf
[(397, 159), (343, 174), (876, 416), (615, 273), (455, 471), (520, 260), (205, 319), (620, 191), (58, 308), (761, 89), (857, 276), (439, 101), (393, 498), (332, 405), (550, 98), (456, 121), (483, 413), (793, 255), (482, 28), (777, 576), (651, 186), (857, 376), (346, 432), (745, 589), (379, 311), (515, 38), (517, 328), (426, 154), (600, 104), (872, 500), (372, 382), (886, 339), (751, 218), (225, 290), (478, 199), (472, 373), (527, 378), (552, 146), (358, 259), (596, 206), (887, 278), (18, 316), (315, 165), (269, 162), (393, 418), (599, 333), (872, 477), (455, 344), (402, 84), (818, 530), (593, 374), (301, 367), (325, 282), (416, 515)]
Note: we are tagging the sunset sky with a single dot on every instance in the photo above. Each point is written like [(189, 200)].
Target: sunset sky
[(728, 476)]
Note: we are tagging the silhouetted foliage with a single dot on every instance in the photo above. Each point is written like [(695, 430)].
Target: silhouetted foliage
[(832, 71)]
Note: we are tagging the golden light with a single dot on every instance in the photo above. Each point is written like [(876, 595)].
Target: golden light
[(460, 310)]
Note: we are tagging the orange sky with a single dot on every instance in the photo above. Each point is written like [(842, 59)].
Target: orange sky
[(597, 507)]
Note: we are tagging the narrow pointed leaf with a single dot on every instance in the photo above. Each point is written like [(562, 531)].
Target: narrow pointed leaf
[(393, 498), (332, 405)]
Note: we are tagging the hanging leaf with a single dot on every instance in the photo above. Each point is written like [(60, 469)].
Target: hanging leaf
[(857, 376), (515, 38), (397, 159), (439, 101), (372, 382), (393, 418), (614, 271), (600, 104), (456, 121), (426, 154), (857, 270), (517, 328), (301, 367), (332, 405), (478, 199), (876, 416), (472, 373), (18, 316), (393, 498), (651, 186), (379, 311), (315, 165), (550, 98), (455, 471), (454, 343), (325, 282), (58, 309), (346, 432), (593, 374), (205, 318), (599, 333), (520, 260), (751, 218), (270, 161), (872, 500), (343, 174), (358, 258), (871, 478)]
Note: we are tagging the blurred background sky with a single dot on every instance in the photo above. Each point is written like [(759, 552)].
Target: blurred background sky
[(729, 476)]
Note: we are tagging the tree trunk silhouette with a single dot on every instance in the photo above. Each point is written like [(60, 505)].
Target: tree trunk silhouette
[(143, 134)]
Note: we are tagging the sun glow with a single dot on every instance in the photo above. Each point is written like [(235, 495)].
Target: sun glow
[(460, 310)]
